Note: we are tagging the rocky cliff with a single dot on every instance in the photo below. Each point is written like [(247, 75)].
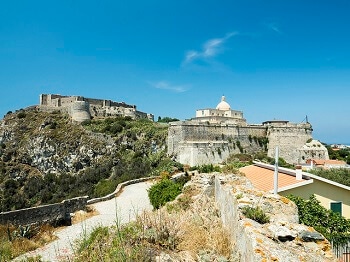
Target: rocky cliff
[(45, 158)]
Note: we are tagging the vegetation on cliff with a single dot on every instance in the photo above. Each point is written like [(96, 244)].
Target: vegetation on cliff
[(45, 158), (332, 225)]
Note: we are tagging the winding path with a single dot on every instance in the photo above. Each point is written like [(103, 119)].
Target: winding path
[(133, 200)]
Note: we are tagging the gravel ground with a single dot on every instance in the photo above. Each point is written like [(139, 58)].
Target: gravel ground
[(133, 200)]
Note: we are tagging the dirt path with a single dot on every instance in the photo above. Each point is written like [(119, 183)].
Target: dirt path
[(131, 201)]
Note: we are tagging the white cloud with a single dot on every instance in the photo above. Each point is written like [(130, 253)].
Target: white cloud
[(210, 48), (274, 27), (167, 86)]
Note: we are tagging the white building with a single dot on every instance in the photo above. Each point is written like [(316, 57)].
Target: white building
[(222, 114)]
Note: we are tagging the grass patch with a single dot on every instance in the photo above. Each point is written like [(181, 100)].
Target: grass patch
[(256, 214), (15, 241)]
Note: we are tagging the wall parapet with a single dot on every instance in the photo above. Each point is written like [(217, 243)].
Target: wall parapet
[(60, 213), (282, 239), (55, 214), (119, 188)]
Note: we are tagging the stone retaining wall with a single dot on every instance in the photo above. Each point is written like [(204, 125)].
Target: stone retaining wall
[(59, 213), (119, 189), (282, 239), (55, 214)]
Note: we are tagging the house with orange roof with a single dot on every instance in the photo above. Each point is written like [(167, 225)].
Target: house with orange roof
[(326, 163), (332, 195)]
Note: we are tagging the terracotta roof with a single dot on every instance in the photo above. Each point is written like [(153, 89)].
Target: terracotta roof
[(327, 162), (263, 178)]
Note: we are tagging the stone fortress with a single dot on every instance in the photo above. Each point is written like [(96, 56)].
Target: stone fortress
[(214, 134), (81, 108)]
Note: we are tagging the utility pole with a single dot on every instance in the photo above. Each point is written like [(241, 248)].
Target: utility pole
[(275, 178)]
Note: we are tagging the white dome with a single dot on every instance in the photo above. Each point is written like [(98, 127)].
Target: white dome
[(223, 105)]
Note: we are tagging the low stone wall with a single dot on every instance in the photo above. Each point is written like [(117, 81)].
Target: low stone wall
[(55, 214), (59, 213), (119, 189), (282, 239)]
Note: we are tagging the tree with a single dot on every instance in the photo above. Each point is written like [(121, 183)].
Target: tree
[(332, 225)]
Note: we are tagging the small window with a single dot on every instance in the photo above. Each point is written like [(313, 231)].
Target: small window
[(336, 207)]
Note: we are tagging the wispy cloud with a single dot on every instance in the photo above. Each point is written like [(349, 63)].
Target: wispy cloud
[(210, 48), (274, 27), (167, 86)]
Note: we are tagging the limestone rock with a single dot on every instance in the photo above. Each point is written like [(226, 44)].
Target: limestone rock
[(282, 233), (308, 236)]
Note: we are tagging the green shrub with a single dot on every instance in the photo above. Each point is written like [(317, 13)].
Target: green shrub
[(105, 187), (163, 191), (21, 114), (256, 214), (330, 224)]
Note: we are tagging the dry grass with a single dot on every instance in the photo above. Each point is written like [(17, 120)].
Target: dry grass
[(191, 229), (82, 215), (12, 244)]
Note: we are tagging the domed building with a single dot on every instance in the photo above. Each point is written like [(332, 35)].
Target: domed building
[(222, 114)]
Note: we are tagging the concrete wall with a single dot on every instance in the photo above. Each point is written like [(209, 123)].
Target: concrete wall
[(279, 240)]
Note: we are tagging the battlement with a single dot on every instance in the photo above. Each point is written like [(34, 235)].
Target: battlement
[(81, 108)]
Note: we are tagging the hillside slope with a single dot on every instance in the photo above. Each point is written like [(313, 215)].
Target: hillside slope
[(45, 158)]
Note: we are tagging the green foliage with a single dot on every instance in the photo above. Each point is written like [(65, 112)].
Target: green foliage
[(281, 163), (21, 114), (163, 192), (256, 214), (333, 226), (341, 154), (209, 168), (140, 151), (339, 175), (167, 119)]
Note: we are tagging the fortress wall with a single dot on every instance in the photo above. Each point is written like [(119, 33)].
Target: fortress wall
[(289, 140), (79, 111), (200, 143), (98, 107)]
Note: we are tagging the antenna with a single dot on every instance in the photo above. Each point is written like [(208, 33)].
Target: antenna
[(306, 119)]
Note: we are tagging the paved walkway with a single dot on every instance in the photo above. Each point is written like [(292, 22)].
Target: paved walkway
[(131, 201)]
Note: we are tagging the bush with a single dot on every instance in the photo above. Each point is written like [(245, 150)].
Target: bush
[(162, 192), (330, 224), (256, 214), (21, 114)]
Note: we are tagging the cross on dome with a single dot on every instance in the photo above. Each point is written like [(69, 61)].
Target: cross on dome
[(223, 105)]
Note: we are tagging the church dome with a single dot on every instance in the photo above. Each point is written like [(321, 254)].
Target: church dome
[(223, 105)]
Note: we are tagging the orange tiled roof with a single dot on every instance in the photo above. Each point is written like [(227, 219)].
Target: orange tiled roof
[(262, 178), (327, 162)]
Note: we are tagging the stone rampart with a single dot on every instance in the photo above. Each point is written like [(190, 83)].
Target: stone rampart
[(95, 107), (290, 138), (282, 239), (54, 214), (196, 143)]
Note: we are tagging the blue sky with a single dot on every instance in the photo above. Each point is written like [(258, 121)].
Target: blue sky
[(272, 59)]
